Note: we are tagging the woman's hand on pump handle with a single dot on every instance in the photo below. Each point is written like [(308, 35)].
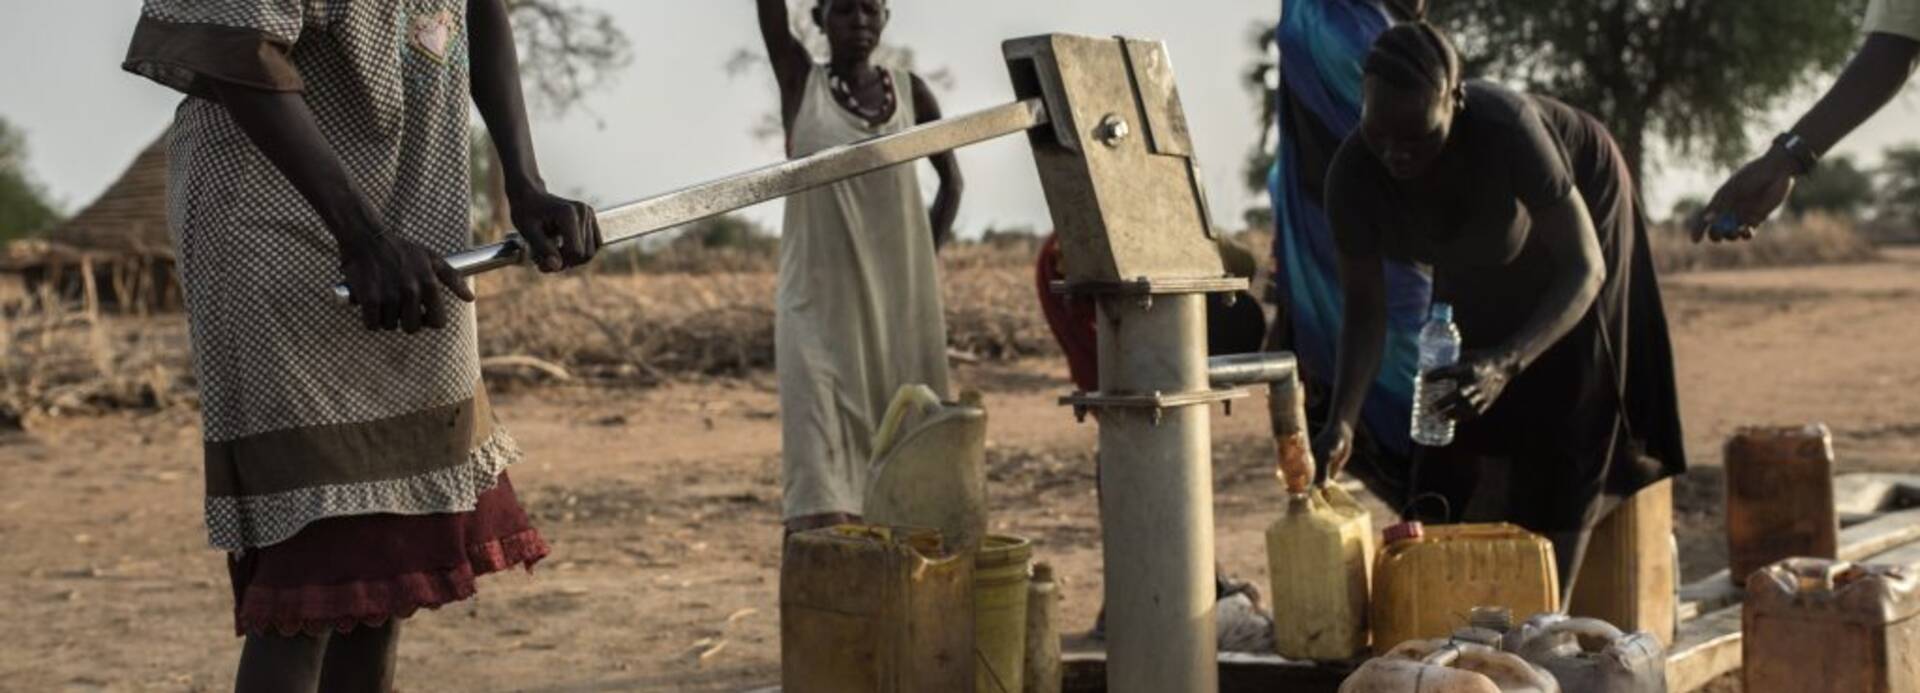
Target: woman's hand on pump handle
[(1478, 381), (397, 282), (560, 234)]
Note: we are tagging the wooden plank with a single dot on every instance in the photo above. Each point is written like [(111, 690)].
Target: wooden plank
[(1086, 672), (1707, 595), (1879, 535), (1858, 542), (1704, 649), (1851, 519), (1866, 493), (1709, 646), (1860, 494), (1905, 556)]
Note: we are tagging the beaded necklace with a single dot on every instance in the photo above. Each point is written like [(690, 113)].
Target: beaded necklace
[(843, 94)]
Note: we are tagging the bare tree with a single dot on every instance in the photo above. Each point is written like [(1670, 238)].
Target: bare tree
[(566, 52)]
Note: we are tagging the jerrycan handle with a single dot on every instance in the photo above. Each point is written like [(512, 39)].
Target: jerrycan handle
[(1445, 656), (1337, 495), (1589, 627), (911, 400), (1817, 575), (1549, 641)]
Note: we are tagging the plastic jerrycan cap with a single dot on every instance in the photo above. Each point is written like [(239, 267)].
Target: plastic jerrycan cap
[(1405, 531), (1494, 618)]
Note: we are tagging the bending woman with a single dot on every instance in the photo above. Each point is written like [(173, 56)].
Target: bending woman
[(1323, 48), (859, 310), (1526, 212)]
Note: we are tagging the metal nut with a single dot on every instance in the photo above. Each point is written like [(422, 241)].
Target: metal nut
[(1112, 130)]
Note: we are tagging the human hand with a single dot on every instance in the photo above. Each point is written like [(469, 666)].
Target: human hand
[(1332, 447), (1477, 382), (397, 282), (1747, 199), (560, 233)]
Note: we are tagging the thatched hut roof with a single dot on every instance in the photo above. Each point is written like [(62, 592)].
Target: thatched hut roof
[(116, 252), (130, 218)]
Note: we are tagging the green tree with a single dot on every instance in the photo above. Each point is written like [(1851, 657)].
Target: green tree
[(24, 207), (1837, 187), (1261, 79), (1685, 209), (1900, 184), (1690, 72)]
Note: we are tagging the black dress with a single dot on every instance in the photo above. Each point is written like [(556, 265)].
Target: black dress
[(1595, 418)]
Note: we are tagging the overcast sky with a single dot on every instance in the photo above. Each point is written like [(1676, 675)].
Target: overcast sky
[(675, 117)]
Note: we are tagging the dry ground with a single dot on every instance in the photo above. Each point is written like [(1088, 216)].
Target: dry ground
[(661, 504)]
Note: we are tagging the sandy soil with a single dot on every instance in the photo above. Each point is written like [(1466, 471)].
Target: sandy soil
[(662, 505)]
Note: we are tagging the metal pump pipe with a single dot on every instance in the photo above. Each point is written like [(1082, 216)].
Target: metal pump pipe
[(1250, 369), (1156, 497)]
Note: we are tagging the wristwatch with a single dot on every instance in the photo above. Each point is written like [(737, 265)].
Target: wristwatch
[(1798, 151)]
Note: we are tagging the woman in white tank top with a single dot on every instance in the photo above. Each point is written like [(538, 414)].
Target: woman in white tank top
[(859, 312)]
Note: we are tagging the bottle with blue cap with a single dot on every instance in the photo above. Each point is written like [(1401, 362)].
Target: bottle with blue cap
[(1439, 347)]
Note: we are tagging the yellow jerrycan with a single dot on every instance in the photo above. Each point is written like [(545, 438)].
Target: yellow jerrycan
[(1001, 573), (928, 467), (867, 609), (929, 470), (1319, 561), (1443, 666), (1428, 579)]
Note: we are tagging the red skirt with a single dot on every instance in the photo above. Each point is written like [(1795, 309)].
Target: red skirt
[(342, 572)]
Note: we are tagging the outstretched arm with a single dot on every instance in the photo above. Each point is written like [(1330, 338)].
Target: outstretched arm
[(790, 59), (1363, 337), (559, 233), (946, 202), (1874, 77), (1363, 334)]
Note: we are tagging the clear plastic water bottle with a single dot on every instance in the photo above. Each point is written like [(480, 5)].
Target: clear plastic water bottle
[(1439, 348)]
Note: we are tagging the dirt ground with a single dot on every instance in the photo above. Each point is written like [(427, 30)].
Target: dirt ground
[(661, 505)]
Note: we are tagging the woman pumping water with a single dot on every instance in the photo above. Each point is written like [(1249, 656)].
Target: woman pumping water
[(1528, 216)]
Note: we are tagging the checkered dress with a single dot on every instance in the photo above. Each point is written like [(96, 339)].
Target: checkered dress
[(307, 415)]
